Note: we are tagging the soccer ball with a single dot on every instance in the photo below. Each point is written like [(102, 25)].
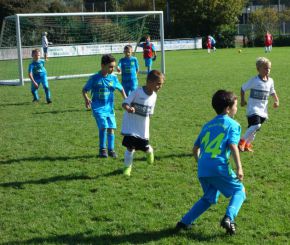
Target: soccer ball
[(240, 51)]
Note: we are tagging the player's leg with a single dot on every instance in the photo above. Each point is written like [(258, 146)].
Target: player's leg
[(210, 197), (148, 64), (46, 90), (102, 126), (34, 92), (111, 136), (128, 142), (149, 154)]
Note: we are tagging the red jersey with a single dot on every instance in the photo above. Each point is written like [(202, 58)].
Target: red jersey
[(147, 50), (208, 43), (268, 39)]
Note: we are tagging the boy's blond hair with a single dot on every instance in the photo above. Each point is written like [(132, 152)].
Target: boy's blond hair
[(261, 61)]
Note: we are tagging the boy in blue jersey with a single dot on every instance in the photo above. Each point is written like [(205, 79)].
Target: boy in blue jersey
[(102, 86), (37, 74), (129, 67), (149, 52), (216, 141)]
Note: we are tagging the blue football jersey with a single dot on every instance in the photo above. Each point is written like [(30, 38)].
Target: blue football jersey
[(213, 141), (129, 68), (102, 91), (37, 69)]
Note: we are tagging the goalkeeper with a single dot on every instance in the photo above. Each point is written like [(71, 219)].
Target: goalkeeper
[(149, 52)]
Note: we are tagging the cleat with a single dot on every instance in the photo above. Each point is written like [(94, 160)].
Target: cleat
[(112, 154), (35, 100), (227, 224), (103, 153), (127, 171), (242, 145), (181, 226), (150, 157), (49, 101), (249, 147)]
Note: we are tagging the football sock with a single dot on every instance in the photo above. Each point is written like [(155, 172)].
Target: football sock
[(128, 158), (111, 141), (47, 93), (102, 137), (251, 132), (197, 209), (235, 204), (150, 149)]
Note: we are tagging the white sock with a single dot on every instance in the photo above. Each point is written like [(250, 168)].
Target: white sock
[(150, 149), (251, 132), (128, 158)]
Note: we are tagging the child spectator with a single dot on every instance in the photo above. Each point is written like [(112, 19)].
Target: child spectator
[(139, 107), (261, 87), (102, 86), (217, 140), (45, 44), (149, 52), (129, 67), (38, 75)]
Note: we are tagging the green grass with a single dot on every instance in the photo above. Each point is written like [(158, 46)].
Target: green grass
[(54, 189)]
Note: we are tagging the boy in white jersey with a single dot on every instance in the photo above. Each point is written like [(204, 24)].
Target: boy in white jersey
[(139, 107), (261, 87)]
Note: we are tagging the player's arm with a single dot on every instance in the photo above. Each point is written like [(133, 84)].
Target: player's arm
[(276, 100), (123, 93), (196, 151), (236, 156), (243, 101), (87, 99), (32, 79)]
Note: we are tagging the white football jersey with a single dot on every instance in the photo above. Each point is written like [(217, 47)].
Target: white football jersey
[(137, 124), (259, 93)]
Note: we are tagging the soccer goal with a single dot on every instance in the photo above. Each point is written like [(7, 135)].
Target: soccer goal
[(77, 41)]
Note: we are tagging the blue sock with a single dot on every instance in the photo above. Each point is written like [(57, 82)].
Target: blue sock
[(235, 204), (35, 94), (47, 93), (111, 141), (197, 209), (102, 136)]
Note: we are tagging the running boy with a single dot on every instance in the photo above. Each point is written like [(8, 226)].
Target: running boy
[(129, 67), (212, 148), (102, 86), (260, 86), (149, 52), (38, 75), (139, 107)]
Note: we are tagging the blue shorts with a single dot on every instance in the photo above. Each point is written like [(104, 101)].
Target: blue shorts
[(148, 62), (42, 80), (44, 50), (213, 186), (105, 121)]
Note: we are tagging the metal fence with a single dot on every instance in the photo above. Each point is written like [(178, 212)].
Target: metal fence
[(246, 29)]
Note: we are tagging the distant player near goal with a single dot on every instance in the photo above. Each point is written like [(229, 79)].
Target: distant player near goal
[(139, 107), (149, 52), (261, 87), (45, 44)]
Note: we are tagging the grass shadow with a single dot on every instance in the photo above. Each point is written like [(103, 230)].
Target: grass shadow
[(16, 104), (133, 238), (58, 112)]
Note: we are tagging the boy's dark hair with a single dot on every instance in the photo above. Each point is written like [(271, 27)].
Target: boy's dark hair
[(35, 51), (154, 75), (107, 59), (222, 99), (127, 47)]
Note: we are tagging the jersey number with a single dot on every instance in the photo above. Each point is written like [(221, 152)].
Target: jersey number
[(213, 146)]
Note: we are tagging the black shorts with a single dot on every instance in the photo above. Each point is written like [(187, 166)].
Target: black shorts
[(255, 119), (136, 143)]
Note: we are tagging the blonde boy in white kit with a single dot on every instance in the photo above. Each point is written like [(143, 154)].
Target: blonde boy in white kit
[(261, 87), (139, 107)]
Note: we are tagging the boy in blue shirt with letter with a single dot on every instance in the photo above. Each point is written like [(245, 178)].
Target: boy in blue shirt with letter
[(129, 67), (37, 74), (102, 86), (217, 140)]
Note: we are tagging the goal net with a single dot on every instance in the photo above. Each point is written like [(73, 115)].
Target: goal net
[(76, 41)]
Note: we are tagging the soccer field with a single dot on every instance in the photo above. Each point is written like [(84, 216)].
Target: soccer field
[(55, 190)]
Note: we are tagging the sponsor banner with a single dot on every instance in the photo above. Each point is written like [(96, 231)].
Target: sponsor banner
[(92, 49)]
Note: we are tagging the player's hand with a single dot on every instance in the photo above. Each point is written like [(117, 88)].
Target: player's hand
[(240, 174), (276, 104), (131, 110), (243, 102), (154, 58), (88, 103), (35, 85)]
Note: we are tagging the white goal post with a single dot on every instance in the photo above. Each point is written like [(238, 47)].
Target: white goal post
[(78, 41)]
